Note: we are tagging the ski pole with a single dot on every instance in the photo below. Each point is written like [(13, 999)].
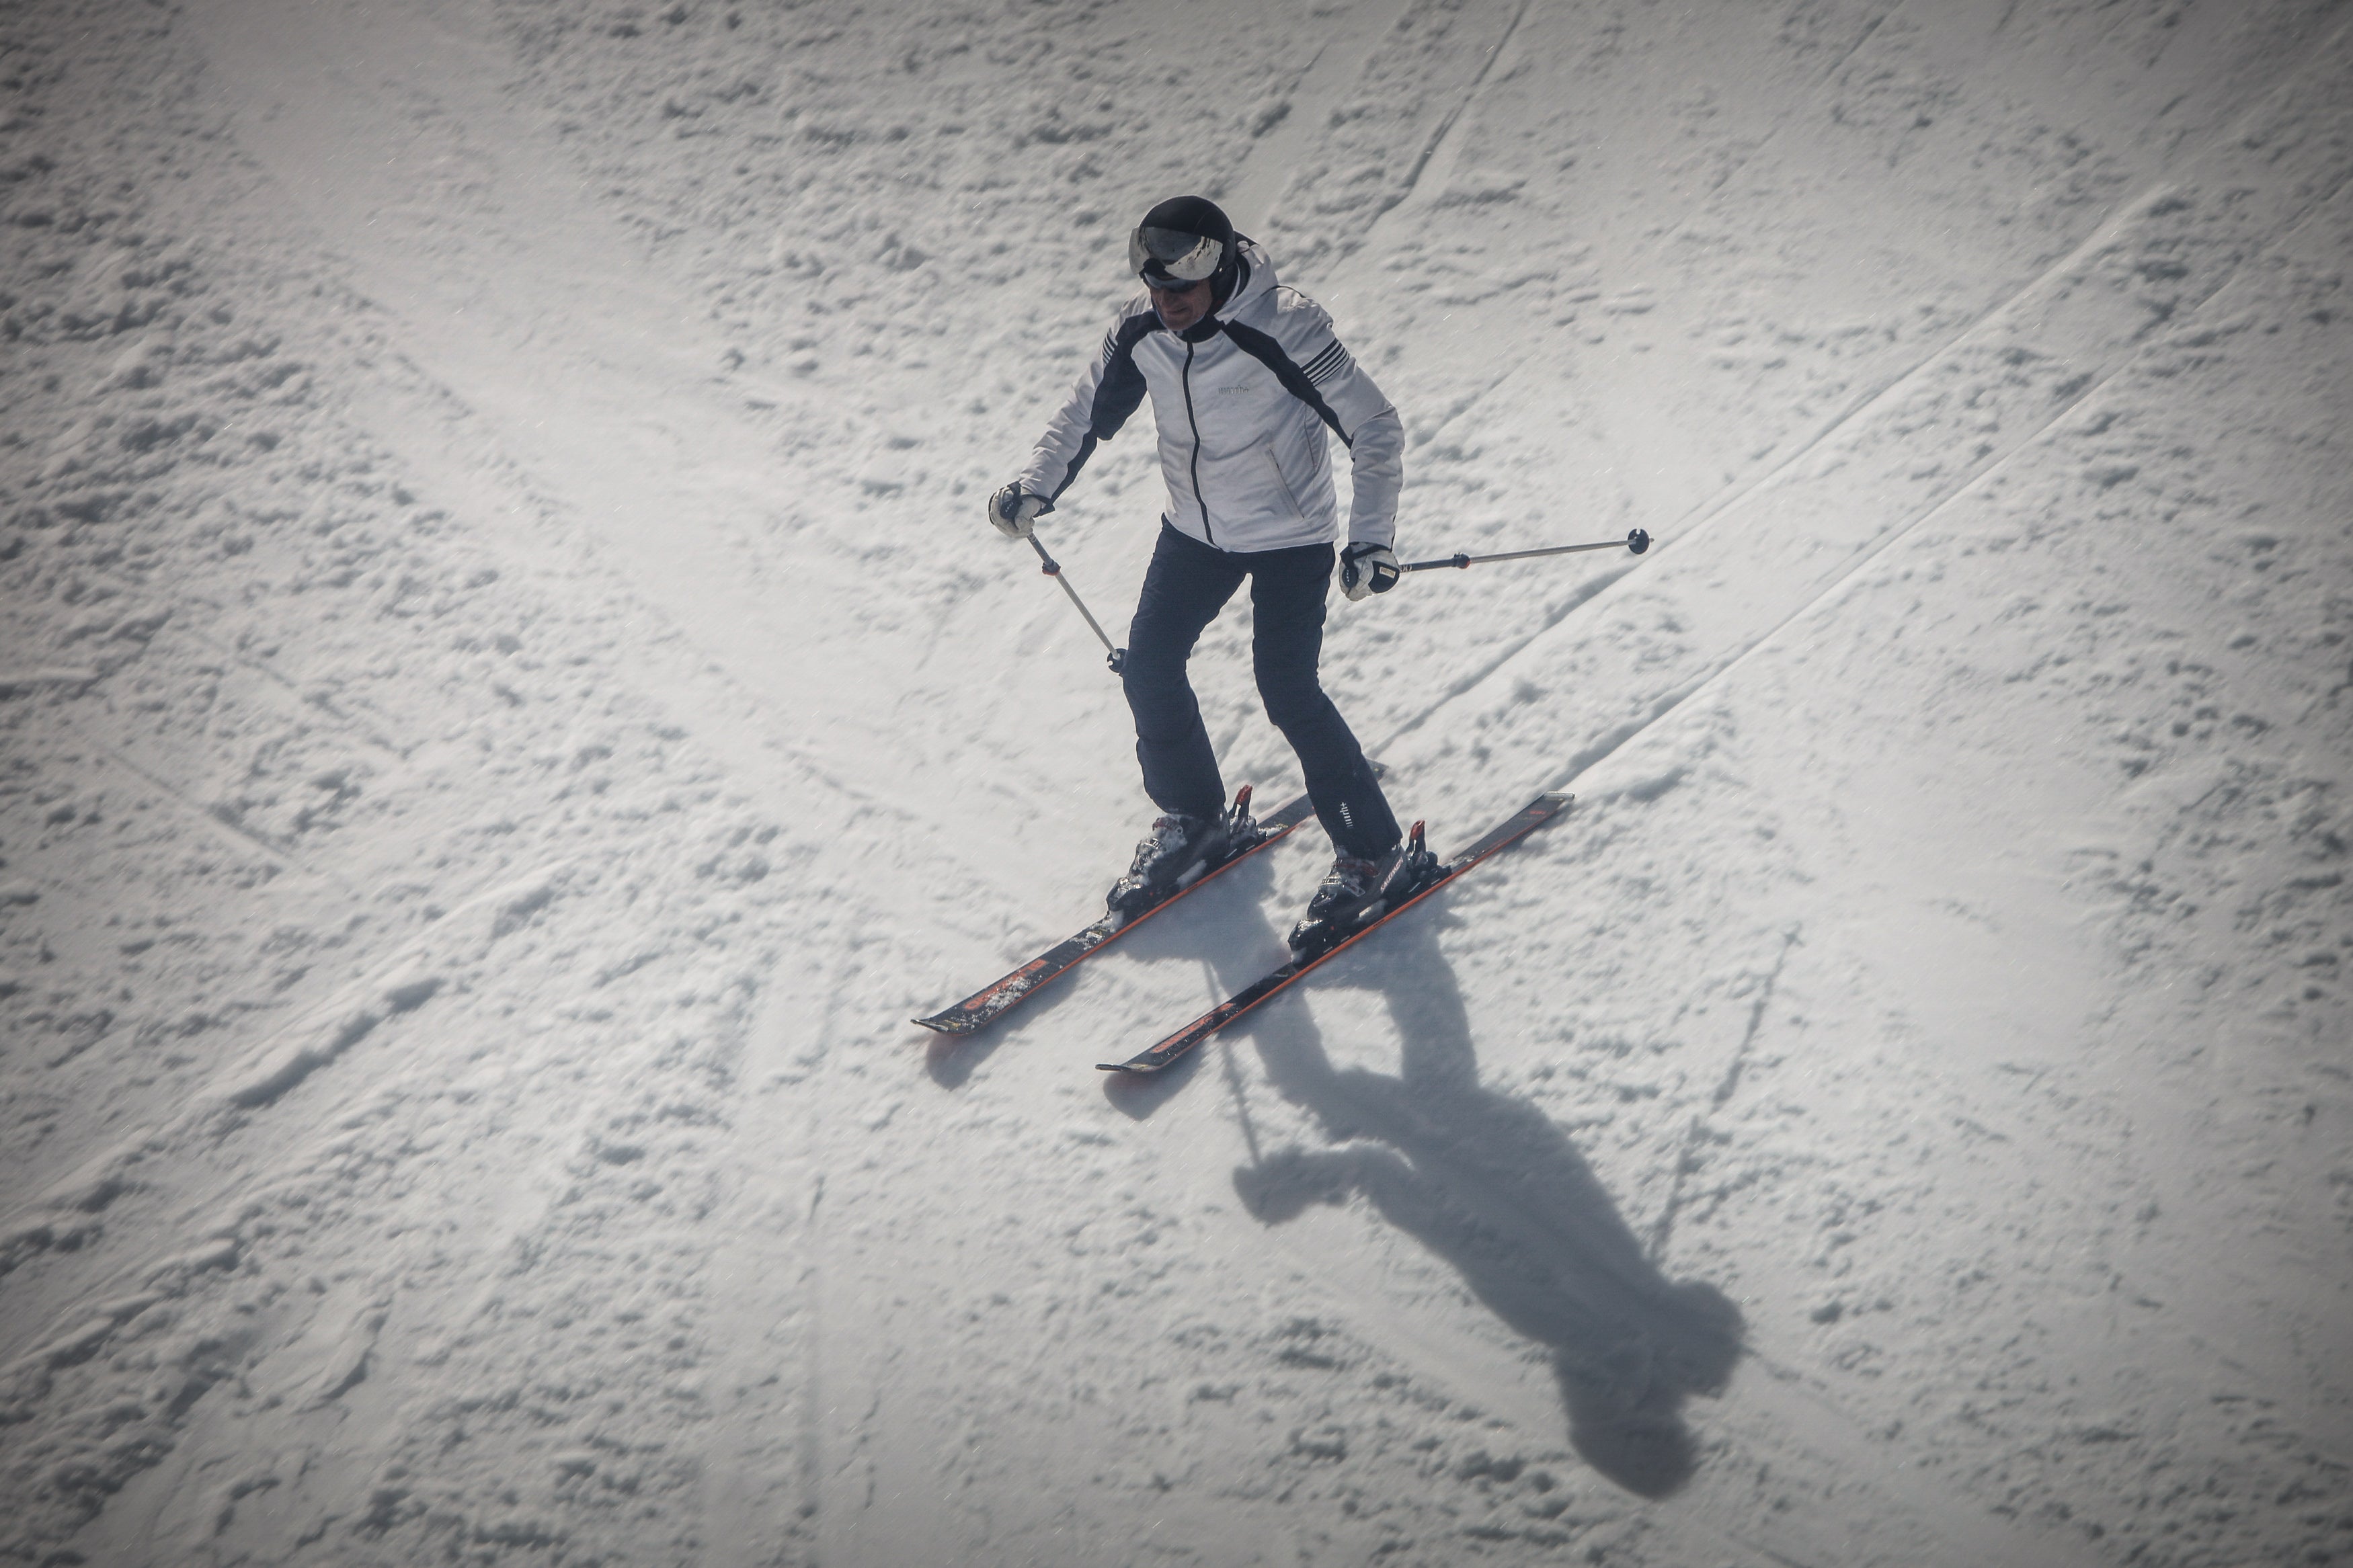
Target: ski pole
[(1636, 542), (1053, 568)]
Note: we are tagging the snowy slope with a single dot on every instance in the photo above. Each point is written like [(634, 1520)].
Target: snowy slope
[(510, 707)]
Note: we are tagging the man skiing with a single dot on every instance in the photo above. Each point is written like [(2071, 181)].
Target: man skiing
[(1248, 383)]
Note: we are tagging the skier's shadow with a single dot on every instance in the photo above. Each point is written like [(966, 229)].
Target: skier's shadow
[(1489, 1183)]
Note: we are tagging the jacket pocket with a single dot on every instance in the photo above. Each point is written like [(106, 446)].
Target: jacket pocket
[(1282, 481)]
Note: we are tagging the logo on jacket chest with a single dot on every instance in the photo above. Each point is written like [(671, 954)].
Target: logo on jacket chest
[(1235, 375)]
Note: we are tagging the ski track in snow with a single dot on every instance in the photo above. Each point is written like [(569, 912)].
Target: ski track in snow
[(488, 498), (2112, 336)]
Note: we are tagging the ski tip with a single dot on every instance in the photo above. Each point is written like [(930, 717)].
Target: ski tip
[(943, 1024), (1135, 1066)]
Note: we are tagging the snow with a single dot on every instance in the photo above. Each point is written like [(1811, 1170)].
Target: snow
[(511, 705)]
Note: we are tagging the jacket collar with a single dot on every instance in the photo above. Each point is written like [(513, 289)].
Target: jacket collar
[(1257, 277)]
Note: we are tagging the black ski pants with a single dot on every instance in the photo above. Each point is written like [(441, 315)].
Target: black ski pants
[(1187, 584)]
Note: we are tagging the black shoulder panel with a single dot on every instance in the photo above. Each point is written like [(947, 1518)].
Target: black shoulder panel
[(1121, 391), (1118, 394), (1261, 347)]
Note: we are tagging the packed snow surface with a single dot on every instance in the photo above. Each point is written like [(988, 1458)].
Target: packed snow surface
[(511, 705)]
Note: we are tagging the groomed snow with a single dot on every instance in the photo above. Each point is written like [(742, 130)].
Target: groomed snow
[(510, 706)]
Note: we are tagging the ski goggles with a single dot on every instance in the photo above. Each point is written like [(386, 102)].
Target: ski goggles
[(1171, 258)]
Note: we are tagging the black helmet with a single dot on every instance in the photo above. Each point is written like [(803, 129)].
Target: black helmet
[(1182, 241)]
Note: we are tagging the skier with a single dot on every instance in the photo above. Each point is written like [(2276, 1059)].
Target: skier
[(1246, 378)]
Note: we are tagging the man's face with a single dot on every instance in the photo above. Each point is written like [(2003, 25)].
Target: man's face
[(1180, 307)]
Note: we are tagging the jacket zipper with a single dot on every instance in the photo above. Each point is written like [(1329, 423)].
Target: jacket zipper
[(1208, 532)]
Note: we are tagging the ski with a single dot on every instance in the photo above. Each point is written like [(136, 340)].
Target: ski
[(992, 1002), (1401, 888)]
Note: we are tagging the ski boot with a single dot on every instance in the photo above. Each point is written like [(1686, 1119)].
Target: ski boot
[(1181, 849), (1347, 884), (1355, 893)]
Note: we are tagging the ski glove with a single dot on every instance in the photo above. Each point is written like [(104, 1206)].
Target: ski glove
[(1014, 510), (1368, 569)]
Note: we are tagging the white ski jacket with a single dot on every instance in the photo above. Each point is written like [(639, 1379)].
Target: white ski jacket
[(1243, 399)]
